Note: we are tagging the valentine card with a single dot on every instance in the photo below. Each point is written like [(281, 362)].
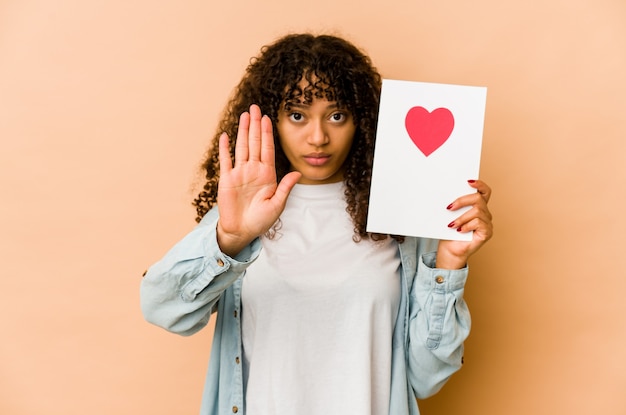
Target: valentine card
[(428, 145)]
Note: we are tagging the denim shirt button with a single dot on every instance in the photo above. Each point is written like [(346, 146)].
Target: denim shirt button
[(237, 360), (220, 262), (439, 279), (235, 409)]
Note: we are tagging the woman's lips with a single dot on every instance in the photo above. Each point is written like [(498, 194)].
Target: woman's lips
[(317, 159)]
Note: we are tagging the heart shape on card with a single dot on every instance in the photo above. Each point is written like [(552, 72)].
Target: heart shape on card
[(429, 130)]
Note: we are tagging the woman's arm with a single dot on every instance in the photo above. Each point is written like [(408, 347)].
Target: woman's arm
[(439, 323), (439, 320), (179, 292)]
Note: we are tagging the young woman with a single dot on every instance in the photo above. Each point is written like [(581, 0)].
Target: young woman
[(314, 315)]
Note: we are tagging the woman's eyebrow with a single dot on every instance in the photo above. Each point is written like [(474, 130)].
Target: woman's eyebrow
[(304, 105)]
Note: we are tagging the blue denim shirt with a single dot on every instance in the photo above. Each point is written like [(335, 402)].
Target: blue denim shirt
[(195, 278)]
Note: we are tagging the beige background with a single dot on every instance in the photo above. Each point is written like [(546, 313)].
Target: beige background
[(107, 106)]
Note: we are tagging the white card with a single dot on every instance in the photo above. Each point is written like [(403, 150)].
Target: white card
[(428, 145)]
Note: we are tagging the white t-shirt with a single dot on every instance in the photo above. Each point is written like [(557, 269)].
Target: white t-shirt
[(318, 313)]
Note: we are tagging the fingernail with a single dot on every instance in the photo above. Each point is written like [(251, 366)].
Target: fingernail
[(451, 225), (471, 181), (458, 229), (449, 206)]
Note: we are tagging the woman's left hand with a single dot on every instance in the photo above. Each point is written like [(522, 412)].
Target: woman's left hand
[(454, 254)]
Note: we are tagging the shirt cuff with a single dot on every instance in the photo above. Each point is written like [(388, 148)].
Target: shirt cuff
[(430, 277)]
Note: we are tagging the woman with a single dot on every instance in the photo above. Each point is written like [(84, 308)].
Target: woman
[(315, 315)]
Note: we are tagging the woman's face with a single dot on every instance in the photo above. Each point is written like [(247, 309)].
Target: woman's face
[(316, 138)]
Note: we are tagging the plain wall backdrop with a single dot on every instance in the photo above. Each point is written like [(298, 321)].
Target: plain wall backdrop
[(106, 108)]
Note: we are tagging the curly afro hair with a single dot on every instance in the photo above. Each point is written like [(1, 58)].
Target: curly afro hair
[(334, 69)]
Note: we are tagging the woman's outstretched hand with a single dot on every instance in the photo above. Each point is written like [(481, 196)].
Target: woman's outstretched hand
[(249, 198), (454, 254)]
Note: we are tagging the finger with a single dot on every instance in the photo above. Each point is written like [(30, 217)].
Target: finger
[(241, 146), (284, 188), (482, 230), (482, 188), (480, 212), (474, 200), (254, 134), (226, 164), (267, 141)]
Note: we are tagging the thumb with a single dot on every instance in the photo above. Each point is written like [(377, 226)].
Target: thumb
[(285, 186)]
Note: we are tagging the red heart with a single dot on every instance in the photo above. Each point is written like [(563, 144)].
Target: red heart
[(429, 130)]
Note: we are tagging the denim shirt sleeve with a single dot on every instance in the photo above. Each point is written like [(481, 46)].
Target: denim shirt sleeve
[(439, 323), (180, 291)]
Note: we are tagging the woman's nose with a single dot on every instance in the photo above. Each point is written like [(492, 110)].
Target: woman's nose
[(317, 135)]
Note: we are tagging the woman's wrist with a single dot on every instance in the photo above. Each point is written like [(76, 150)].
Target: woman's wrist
[(447, 260), (229, 244)]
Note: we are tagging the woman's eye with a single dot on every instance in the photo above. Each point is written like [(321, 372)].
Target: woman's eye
[(338, 117), (295, 116)]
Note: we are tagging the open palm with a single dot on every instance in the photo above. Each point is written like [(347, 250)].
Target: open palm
[(249, 198)]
